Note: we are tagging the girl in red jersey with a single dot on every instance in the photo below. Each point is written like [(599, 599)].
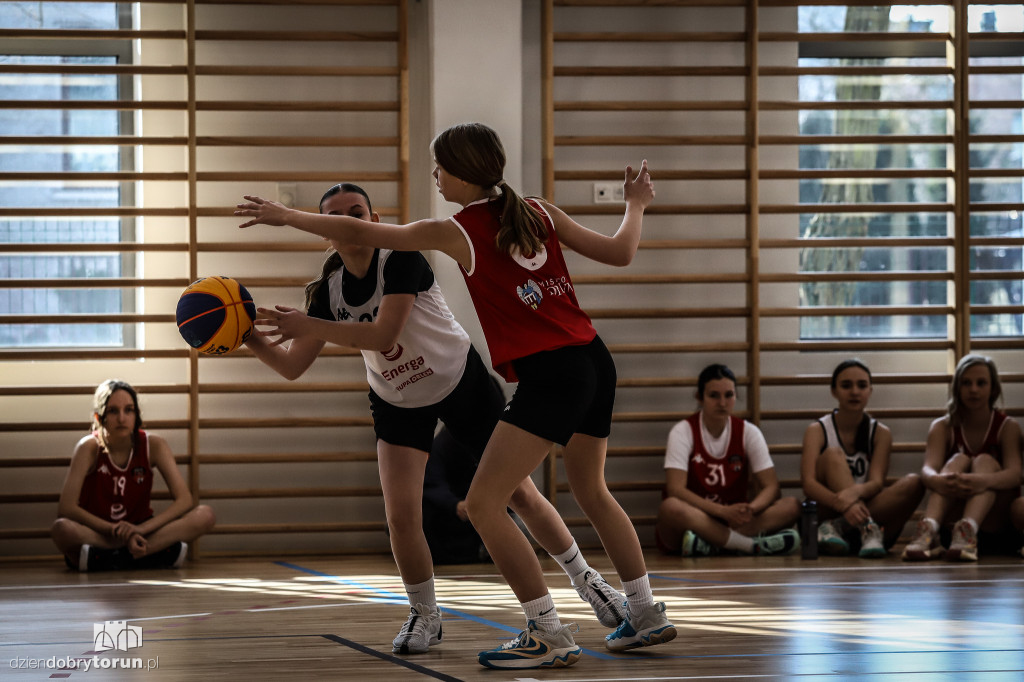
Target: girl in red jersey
[(421, 368), (972, 466), (843, 468), (709, 463), (509, 253), (105, 518)]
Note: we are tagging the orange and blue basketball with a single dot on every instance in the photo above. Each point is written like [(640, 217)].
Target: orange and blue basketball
[(215, 315)]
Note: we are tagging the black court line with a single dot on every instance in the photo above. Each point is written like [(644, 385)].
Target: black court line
[(391, 659)]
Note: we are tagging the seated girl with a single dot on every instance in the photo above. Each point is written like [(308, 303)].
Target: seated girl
[(105, 518), (843, 468), (972, 466), (709, 501)]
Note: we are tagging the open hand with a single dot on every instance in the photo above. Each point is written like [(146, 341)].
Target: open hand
[(638, 190), (284, 322), (263, 211)]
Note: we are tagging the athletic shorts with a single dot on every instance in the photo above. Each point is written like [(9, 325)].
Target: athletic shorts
[(564, 391), (470, 412)]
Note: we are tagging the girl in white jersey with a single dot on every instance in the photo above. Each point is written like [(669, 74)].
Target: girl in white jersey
[(843, 468), (510, 257), (421, 367)]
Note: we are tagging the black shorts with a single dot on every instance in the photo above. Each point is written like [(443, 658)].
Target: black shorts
[(469, 412), (564, 391)]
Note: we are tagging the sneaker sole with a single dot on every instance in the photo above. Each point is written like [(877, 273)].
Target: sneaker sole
[(560, 658), (873, 553), (663, 634), (921, 555), (834, 548), (959, 555)]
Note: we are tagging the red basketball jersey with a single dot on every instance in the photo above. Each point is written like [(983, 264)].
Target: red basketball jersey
[(990, 446), (525, 304), (120, 494), (719, 480)]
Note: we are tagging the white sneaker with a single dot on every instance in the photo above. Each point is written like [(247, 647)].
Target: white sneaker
[(871, 543), (646, 629), (830, 541), (421, 630), (606, 601)]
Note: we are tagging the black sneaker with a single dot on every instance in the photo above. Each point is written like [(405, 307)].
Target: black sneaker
[(92, 558), (172, 556)]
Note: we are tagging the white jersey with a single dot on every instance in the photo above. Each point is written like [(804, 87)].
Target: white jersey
[(429, 358), (859, 460)]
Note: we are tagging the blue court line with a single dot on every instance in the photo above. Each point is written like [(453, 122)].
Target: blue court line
[(391, 597)]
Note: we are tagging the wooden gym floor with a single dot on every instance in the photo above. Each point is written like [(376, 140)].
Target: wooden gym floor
[(334, 618)]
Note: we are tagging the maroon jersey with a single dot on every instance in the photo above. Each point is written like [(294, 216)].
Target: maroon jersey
[(719, 480), (120, 494), (990, 446), (526, 305)]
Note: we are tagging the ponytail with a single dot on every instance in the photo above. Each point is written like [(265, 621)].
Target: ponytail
[(522, 228), (473, 152)]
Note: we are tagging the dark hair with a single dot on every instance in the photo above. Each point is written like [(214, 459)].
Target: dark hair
[(333, 260), (102, 397), (847, 364), (710, 373), (953, 406), (473, 152)]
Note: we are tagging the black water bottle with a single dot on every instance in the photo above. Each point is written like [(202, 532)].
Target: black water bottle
[(809, 529)]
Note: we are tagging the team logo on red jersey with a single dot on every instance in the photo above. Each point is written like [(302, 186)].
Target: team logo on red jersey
[(139, 473), (531, 262), (529, 293), (393, 353)]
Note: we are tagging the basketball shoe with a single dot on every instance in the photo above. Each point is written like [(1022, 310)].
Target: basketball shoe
[(604, 599), (420, 632), (784, 542), (172, 556), (872, 545), (91, 558), (964, 545), (645, 629), (695, 545), (830, 541), (925, 544), (534, 648)]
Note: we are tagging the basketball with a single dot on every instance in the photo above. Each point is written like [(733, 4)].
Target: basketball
[(215, 315)]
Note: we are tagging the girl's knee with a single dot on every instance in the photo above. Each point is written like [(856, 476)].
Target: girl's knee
[(205, 518)]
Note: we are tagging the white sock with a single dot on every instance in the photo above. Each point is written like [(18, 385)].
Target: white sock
[(422, 593), (638, 594), (739, 543), (542, 613), (933, 524), (571, 561), (972, 523)]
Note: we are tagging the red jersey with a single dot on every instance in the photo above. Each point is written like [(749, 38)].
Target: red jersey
[(719, 480), (120, 494), (990, 446), (526, 305)]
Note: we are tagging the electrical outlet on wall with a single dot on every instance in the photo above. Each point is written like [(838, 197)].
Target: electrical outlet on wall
[(608, 193)]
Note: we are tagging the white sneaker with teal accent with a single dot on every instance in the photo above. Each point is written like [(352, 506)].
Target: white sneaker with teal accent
[(786, 541), (603, 598), (421, 631), (534, 648), (872, 545), (645, 629), (830, 541)]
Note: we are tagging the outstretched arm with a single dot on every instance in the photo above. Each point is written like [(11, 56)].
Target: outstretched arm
[(437, 235), (620, 248), (380, 334), (289, 361)]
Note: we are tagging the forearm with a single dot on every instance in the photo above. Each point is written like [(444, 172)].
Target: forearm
[(177, 509), (627, 237), (764, 499), (362, 335), (81, 516)]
